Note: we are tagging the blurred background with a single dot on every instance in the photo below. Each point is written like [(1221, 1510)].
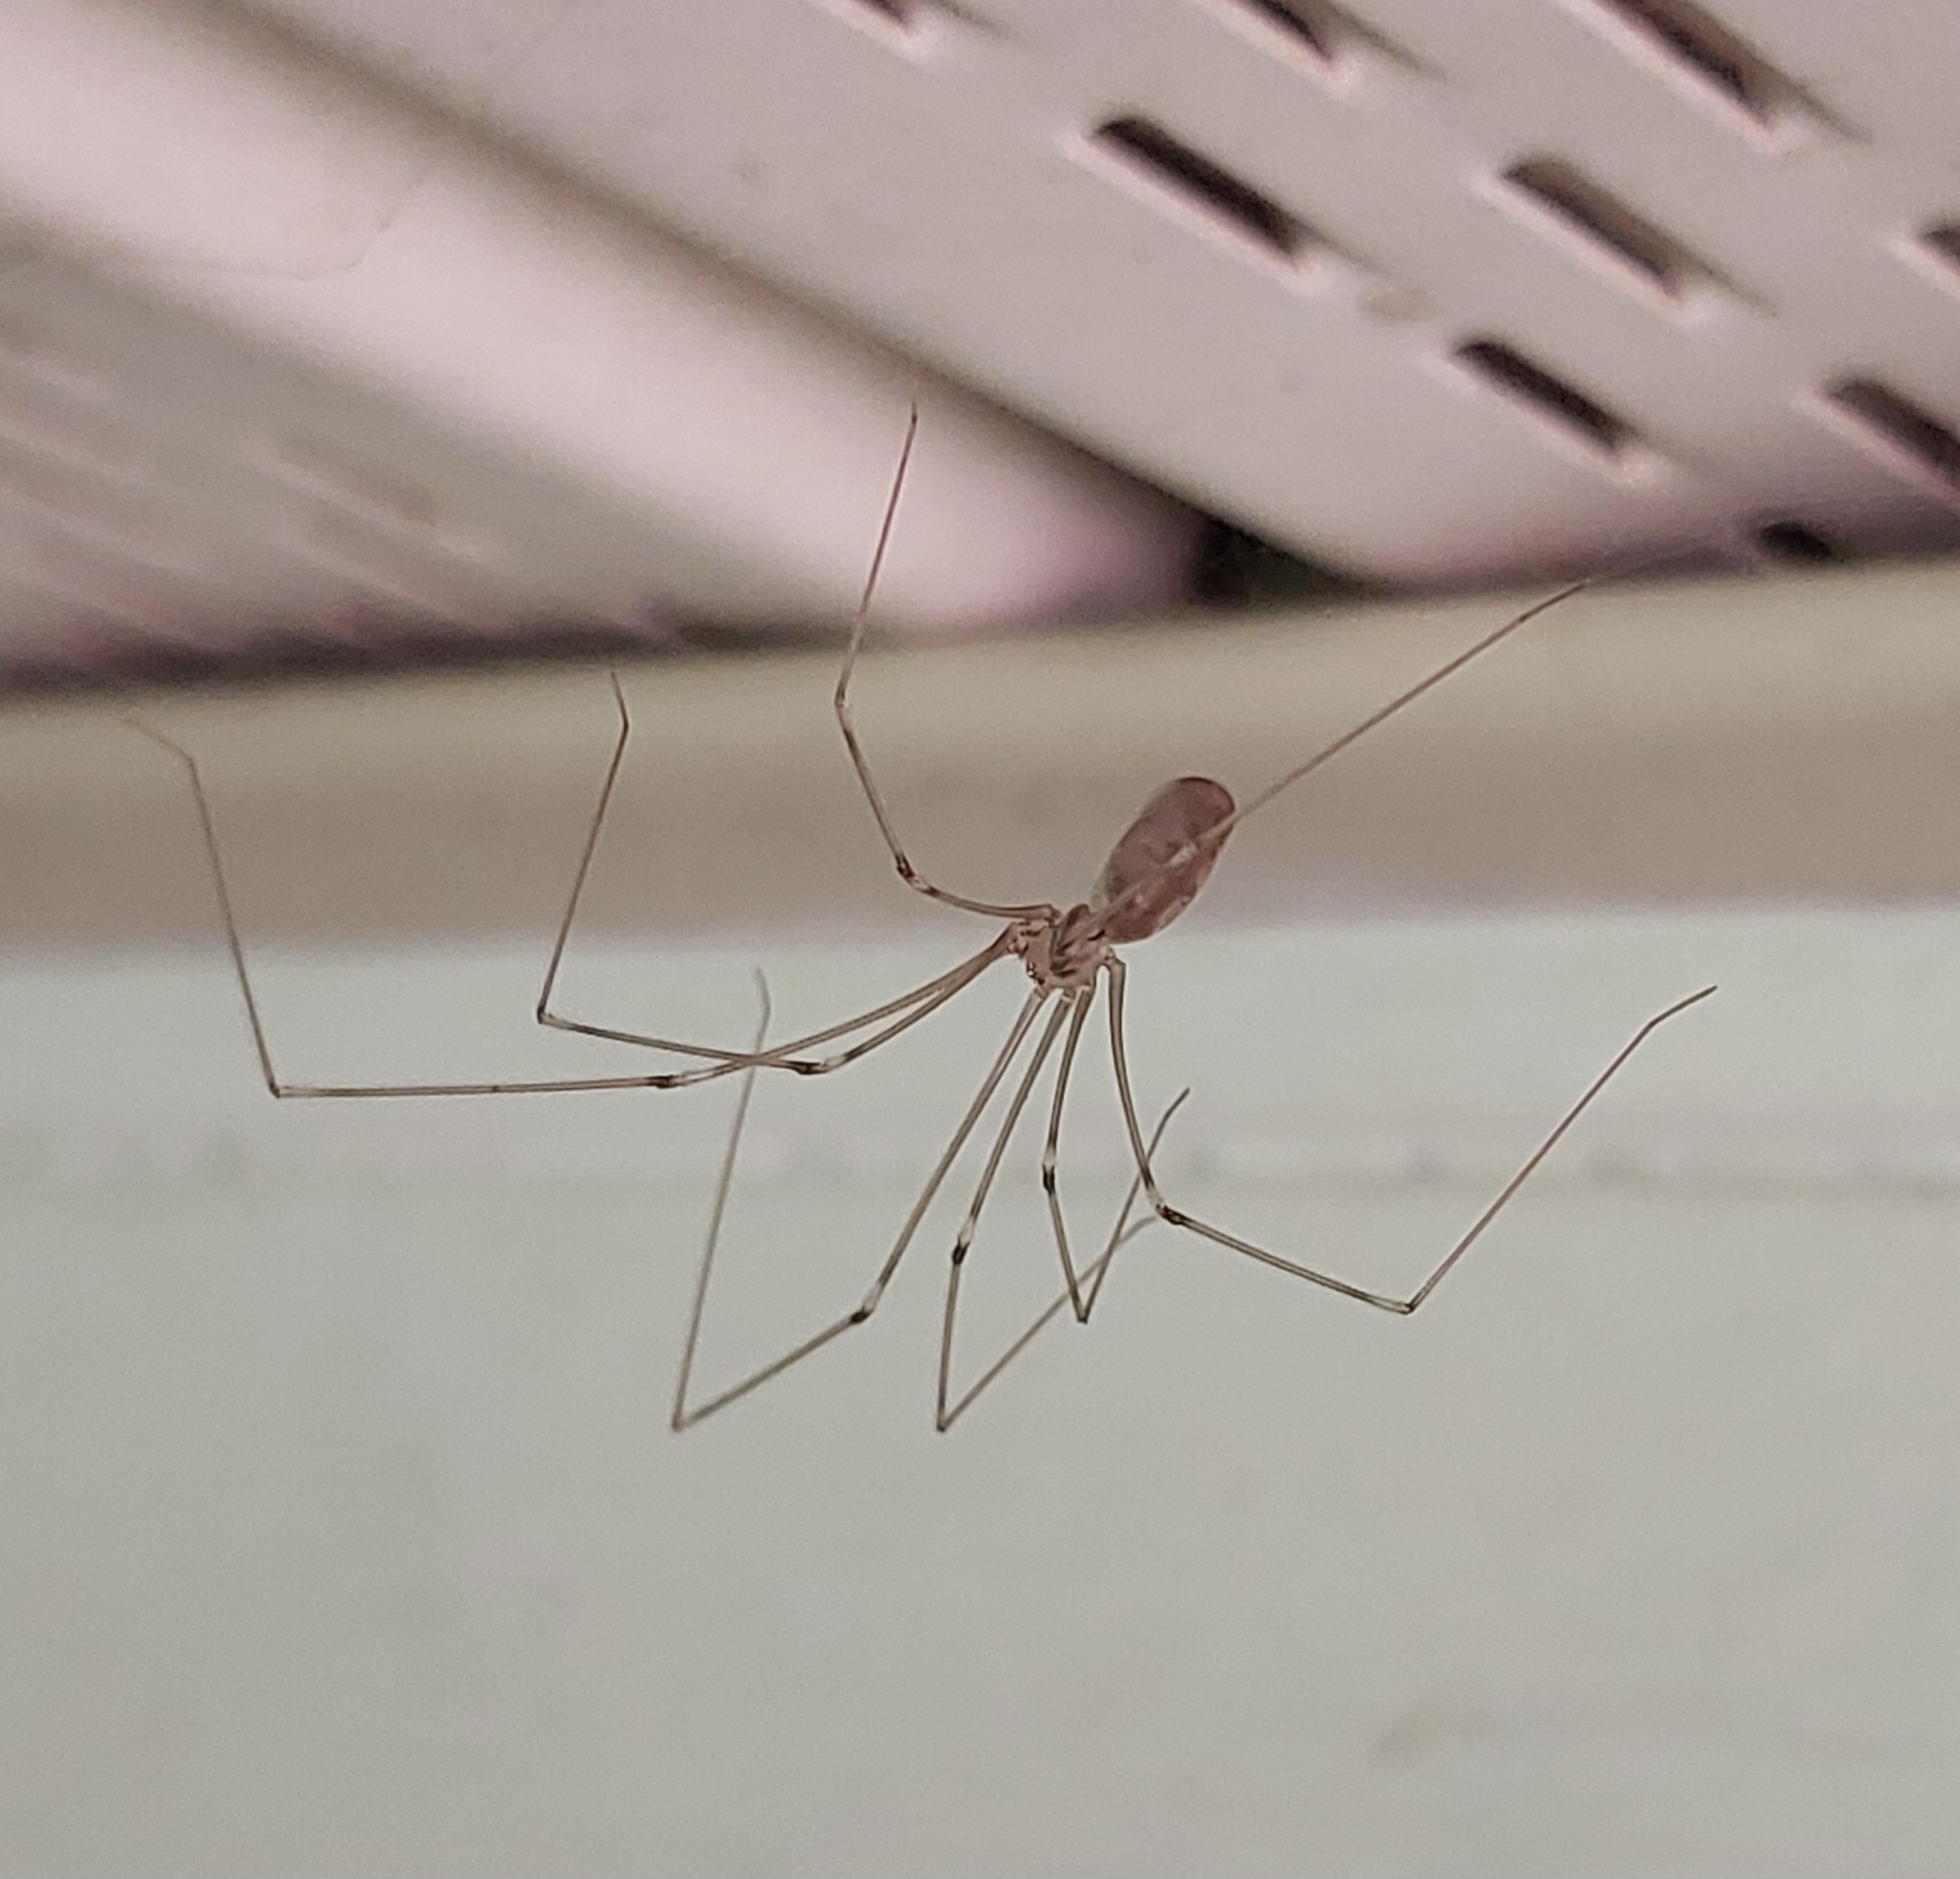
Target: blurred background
[(373, 379)]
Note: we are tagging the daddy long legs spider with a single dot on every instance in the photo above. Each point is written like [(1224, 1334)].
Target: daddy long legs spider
[(1153, 874)]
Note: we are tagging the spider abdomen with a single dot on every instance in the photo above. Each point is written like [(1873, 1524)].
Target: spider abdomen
[(1142, 893)]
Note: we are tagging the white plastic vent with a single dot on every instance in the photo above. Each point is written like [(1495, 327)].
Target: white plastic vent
[(1434, 292)]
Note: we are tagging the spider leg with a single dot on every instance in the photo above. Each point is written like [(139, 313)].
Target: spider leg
[(1382, 1301), (685, 1416)]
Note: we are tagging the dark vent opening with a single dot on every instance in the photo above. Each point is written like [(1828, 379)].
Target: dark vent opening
[(1318, 30), (1561, 191), (1900, 426), (1233, 568), (1795, 542), (1509, 372), (1942, 241), (1247, 212), (1706, 52)]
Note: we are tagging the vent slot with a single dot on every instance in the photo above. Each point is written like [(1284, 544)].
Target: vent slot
[(1898, 430), (1548, 398), (1316, 36), (1308, 32), (1553, 194), (1942, 240), (1794, 543), (1935, 251), (909, 27), (1690, 46), (1316, 31), (1229, 204)]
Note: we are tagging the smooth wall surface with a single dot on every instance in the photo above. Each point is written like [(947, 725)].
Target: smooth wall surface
[(345, 1532)]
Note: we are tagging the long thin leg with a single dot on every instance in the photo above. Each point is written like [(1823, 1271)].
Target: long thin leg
[(927, 998), (1259, 799), (916, 1004), (542, 1012), (907, 1233), (723, 1182), (962, 1243), (953, 981), (1120, 1236), (1083, 1001), (1383, 1301), (841, 703), (1122, 1232)]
